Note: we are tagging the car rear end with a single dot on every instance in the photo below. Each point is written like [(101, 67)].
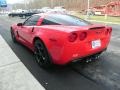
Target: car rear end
[(84, 42)]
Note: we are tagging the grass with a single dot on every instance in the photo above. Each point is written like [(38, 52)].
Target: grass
[(100, 18)]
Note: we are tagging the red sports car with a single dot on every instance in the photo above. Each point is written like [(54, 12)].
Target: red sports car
[(60, 39)]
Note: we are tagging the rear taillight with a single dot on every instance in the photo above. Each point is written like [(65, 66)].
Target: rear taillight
[(72, 37), (82, 36), (108, 31)]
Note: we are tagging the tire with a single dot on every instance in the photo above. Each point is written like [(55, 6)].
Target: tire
[(12, 15), (24, 17), (41, 54), (13, 36)]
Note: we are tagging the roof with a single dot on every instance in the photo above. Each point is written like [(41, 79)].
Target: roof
[(46, 14)]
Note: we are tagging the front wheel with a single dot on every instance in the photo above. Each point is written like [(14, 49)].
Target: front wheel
[(41, 54), (13, 36)]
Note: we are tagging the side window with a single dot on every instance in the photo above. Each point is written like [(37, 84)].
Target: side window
[(49, 21), (32, 20), (64, 20)]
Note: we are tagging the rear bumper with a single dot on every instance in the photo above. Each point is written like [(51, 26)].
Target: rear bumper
[(72, 56), (71, 51), (90, 55)]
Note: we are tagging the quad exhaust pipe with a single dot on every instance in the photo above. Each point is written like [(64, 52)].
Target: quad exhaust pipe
[(89, 59)]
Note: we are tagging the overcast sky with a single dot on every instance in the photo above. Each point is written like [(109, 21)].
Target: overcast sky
[(13, 1)]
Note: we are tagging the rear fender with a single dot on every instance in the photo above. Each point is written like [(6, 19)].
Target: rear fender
[(43, 38)]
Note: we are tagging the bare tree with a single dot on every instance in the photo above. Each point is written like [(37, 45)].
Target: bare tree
[(68, 4)]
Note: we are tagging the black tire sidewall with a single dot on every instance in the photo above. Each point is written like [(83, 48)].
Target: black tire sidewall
[(13, 36), (47, 56)]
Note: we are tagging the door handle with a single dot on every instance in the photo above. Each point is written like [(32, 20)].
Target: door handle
[(32, 29)]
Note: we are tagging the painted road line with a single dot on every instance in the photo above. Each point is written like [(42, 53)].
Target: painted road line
[(13, 74)]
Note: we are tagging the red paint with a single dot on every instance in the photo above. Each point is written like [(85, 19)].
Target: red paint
[(64, 43)]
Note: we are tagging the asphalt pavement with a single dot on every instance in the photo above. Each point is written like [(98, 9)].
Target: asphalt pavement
[(103, 74)]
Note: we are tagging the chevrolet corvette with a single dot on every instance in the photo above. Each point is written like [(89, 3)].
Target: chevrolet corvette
[(61, 39)]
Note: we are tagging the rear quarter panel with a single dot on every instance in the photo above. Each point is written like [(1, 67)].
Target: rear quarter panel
[(54, 40)]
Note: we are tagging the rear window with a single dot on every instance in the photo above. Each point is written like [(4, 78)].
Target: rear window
[(58, 19)]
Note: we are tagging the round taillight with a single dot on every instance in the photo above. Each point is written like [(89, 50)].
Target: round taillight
[(72, 37), (82, 36), (110, 30), (107, 32)]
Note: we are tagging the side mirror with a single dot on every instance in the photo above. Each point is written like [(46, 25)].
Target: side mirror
[(19, 24)]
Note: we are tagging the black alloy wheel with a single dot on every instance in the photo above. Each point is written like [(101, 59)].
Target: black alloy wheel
[(41, 54), (13, 36)]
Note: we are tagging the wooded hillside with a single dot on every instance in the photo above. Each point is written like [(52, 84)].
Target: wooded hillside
[(68, 4)]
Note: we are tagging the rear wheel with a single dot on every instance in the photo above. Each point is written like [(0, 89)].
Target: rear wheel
[(41, 54), (13, 36)]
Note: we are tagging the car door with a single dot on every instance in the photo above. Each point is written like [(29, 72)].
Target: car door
[(26, 31)]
